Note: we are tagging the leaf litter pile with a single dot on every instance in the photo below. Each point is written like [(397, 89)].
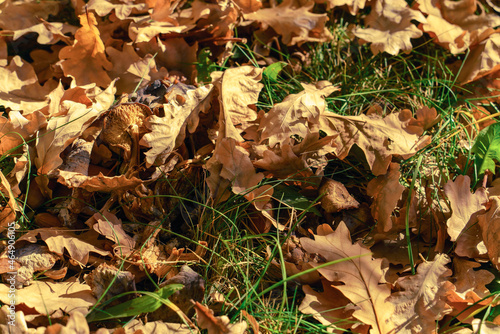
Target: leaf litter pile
[(245, 167)]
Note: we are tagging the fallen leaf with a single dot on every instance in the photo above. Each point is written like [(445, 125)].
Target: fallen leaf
[(295, 115), (109, 281), (121, 10), (76, 324), (471, 284), (490, 228), (380, 138), (389, 27), (52, 298), (353, 5), (386, 192), (21, 15), (239, 89), (217, 325), (296, 25), (97, 183), (463, 224), (283, 165), (18, 129), (48, 32), (420, 299), (85, 60), (361, 275), (336, 197), (111, 227)]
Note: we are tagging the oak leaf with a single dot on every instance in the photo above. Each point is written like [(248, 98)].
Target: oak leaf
[(78, 246), (48, 32), (490, 228), (295, 114), (470, 284), (361, 275), (217, 325), (144, 30), (353, 5), (181, 113), (20, 89), (122, 9), (111, 227), (24, 14), (296, 25), (52, 298), (420, 300), (85, 60), (380, 138), (248, 6), (386, 192), (18, 128), (98, 182), (389, 27), (284, 164), (239, 89), (463, 225), (483, 60)]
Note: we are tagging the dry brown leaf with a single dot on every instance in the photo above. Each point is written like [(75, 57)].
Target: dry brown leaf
[(248, 6), (97, 183), (134, 72), (24, 14), (485, 327), (490, 228), (295, 115), (217, 325), (8, 212), (136, 326), (386, 192), (144, 30), (353, 5), (283, 165), (380, 138), (295, 24), (218, 18), (48, 32), (426, 118), (389, 27), (18, 129), (77, 324), (111, 227), (420, 299), (181, 113), (483, 59), (361, 275), (470, 284), (20, 89), (60, 239), (330, 307), (122, 9), (336, 197), (239, 89), (100, 280), (86, 60), (463, 224), (52, 299)]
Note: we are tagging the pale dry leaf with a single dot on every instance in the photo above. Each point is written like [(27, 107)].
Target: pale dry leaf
[(85, 60), (60, 239), (389, 27), (330, 307), (181, 114), (144, 30), (239, 89), (361, 275), (77, 324), (48, 32), (33, 258), (484, 59), (485, 327), (463, 225), (8, 213), (109, 281), (20, 89), (111, 227), (295, 24), (471, 284), (217, 325), (284, 164), (379, 137), (490, 228), (295, 115), (60, 133), (134, 72), (420, 299), (122, 9), (18, 129), (386, 192), (98, 182), (17, 15), (136, 326), (53, 299), (218, 18)]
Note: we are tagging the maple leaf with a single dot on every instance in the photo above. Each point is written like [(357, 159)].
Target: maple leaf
[(52, 298), (361, 275), (380, 138), (463, 226), (294, 114), (389, 27), (20, 89), (86, 60), (490, 228), (420, 299), (181, 112), (295, 25), (386, 192), (239, 89)]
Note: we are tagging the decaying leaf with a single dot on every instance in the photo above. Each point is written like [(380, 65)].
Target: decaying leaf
[(362, 276), (420, 299), (336, 197)]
